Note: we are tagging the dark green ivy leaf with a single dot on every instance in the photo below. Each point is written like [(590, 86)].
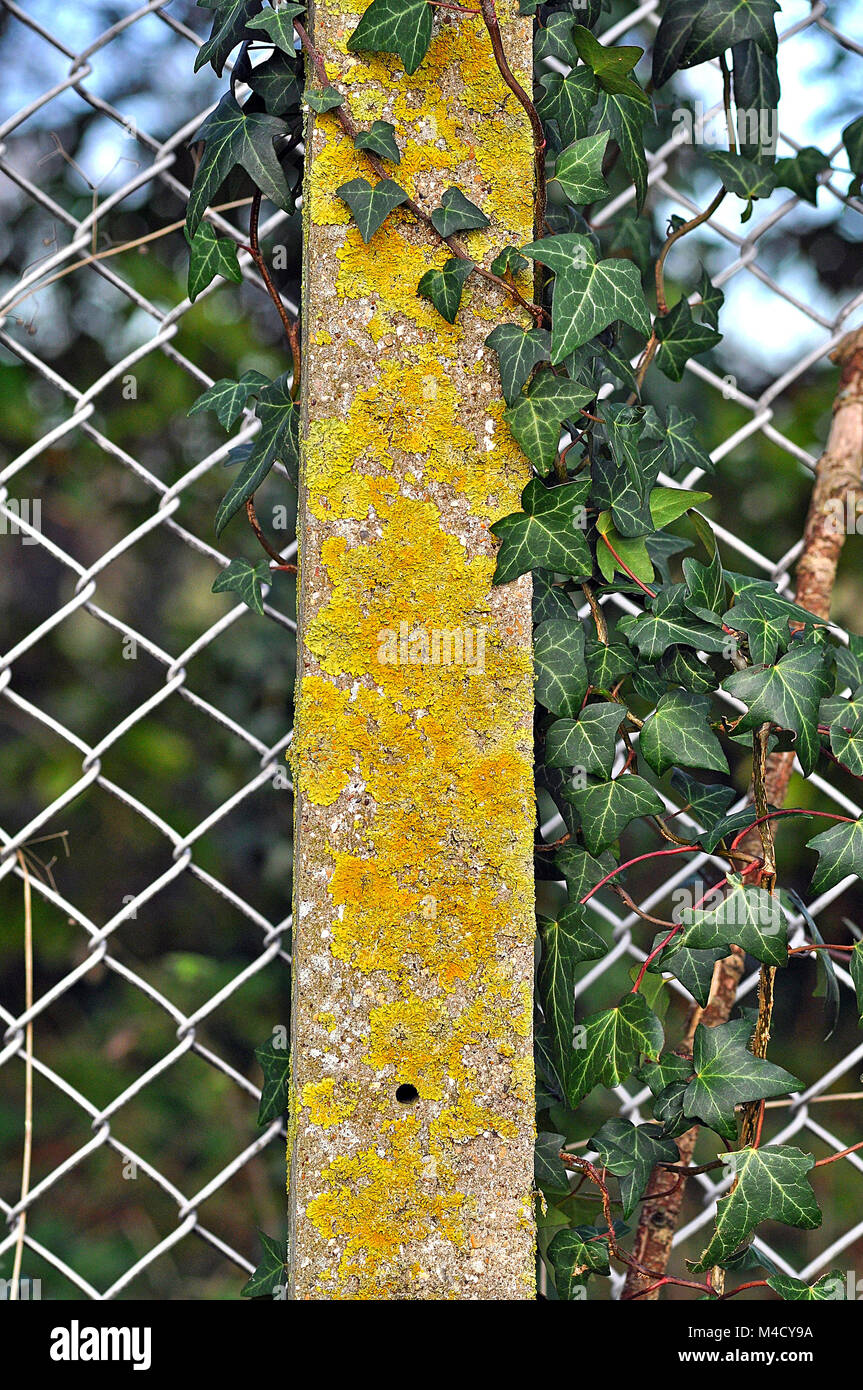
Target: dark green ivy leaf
[(444, 287), (275, 1064), (568, 101), (756, 97), (547, 534), (800, 174), (578, 169), (747, 917), (727, 1074), (623, 117), (518, 351), (587, 742), (395, 26), (712, 300), (380, 138), (548, 1171), (787, 694), (276, 439), (588, 294), (830, 1287), (567, 941), (840, 853), (509, 260), (323, 99), (852, 139), (229, 24), (694, 31), (575, 1253), (536, 418), (611, 64), (275, 81), (233, 137), (856, 969), (678, 731), (371, 203), (631, 1152), (681, 337), (608, 1045), (245, 580), (607, 808), (745, 177), (456, 214), (771, 1186), (229, 398), (561, 675), (270, 1274), (694, 969), (279, 25), (209, 256)]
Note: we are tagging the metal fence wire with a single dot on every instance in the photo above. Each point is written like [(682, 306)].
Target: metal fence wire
[(66, 81)]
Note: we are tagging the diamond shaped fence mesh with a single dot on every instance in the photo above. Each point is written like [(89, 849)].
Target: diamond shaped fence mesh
[(144, 794)]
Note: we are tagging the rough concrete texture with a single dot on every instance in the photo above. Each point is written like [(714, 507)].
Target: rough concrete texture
[(413, 944)]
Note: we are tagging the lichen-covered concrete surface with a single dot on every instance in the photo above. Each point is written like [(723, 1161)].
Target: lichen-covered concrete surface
[(413, 938)]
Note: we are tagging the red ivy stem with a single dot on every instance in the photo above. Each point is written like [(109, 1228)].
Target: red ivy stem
[(625, 567), (652, 854), (844, 1154), (792, 811)]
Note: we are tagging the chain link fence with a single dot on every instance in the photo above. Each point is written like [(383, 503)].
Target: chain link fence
[(148, 721)]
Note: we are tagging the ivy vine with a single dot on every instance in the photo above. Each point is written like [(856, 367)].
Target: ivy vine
[(594, 523)]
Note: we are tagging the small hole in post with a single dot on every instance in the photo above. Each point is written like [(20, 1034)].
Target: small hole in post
[(407, 1095)]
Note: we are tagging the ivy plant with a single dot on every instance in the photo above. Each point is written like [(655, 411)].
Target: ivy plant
[(634, 710)]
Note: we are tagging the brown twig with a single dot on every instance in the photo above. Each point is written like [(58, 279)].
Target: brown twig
[(291, 326)]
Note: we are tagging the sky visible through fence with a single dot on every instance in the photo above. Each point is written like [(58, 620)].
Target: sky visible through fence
[(125, 71)]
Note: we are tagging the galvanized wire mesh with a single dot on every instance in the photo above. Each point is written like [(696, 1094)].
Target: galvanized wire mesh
[(74, 413)]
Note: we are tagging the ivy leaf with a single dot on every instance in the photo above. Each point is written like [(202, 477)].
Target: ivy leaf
[(607, 808), (830, 1287), (573, 1254), (800, 174), (787, 694), (229, 23), (245, 580), (509, 261), (669, 503), (275, 1064), (631, 1152), (771, 1186), (561, 675), (380, 138), (548, 1171), (395, 26), (707, 801), (444, 287), (747, 917), (712, 300), (632, 551), (323, 99), (845, 718), (763, 616), (622, 117), (210, 256), (456, 214), (276, 439), (727, 1074), (279, 25), (680, 338), (275, 81), (578, 170), (608, 1045), (852, 139), (567, 941), (234, 138), (547, 534), (654, 632), (745, 177), (856, 969), (581, 871), (756, 96), (694, 31), (610, 64), (568, 101), (228, 398), (371, 203), (840, 853), (588, 742), (536, 418), (607, 662), (270, 1274), (694, 969), (518, 351), (588, 294), (678, 731)]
